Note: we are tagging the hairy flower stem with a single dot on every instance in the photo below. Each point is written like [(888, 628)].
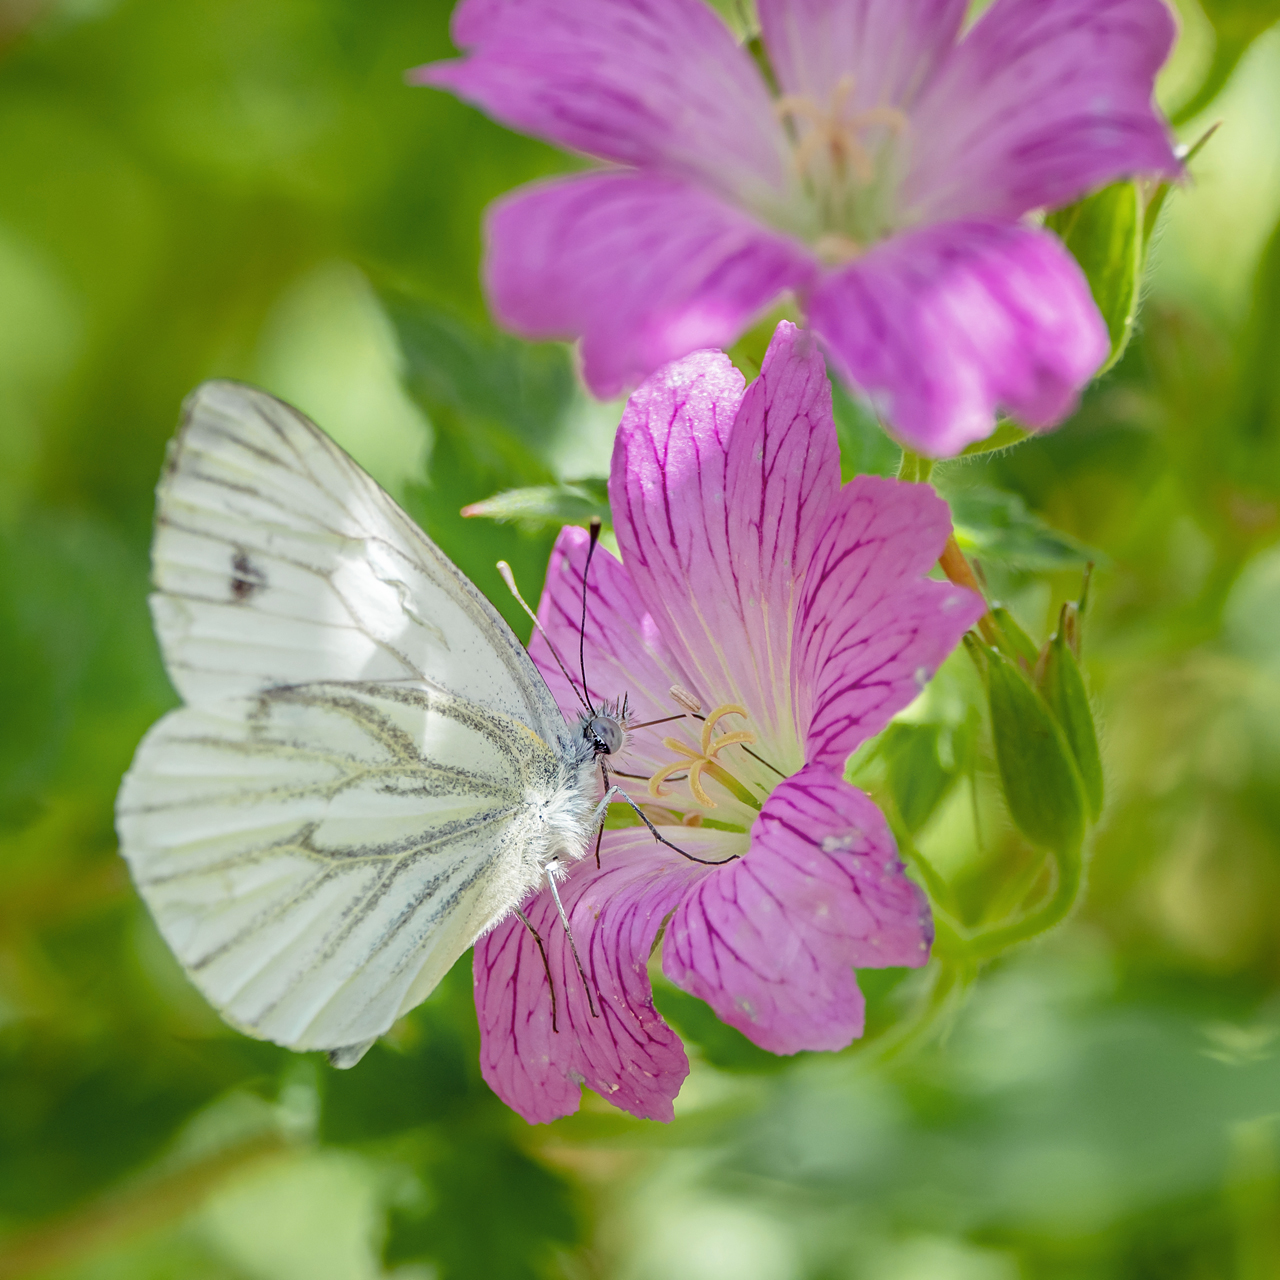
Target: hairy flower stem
[(956, 567), (914, 468), (935, 1012), (991, 943)]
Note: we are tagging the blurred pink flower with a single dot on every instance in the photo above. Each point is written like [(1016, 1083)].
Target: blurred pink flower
[(798, 614), (885, 186)]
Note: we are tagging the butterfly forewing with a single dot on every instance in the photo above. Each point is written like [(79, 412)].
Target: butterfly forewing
[(344, 803), (278, 561)]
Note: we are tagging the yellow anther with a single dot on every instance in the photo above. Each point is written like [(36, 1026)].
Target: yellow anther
[(685, 699), (705, 761)]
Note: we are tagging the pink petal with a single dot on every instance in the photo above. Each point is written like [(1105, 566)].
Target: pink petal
[(771, 941), (887, 49), (717, 500), (872, 628), (621, 647), (643, 269), (658, 84), (943, 326), (1040, 103), (627, 1054)]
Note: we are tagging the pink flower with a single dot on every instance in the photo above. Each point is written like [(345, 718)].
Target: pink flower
[(886, 186), (798, 615)]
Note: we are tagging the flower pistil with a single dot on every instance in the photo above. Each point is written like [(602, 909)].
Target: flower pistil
[(705, 761), (847, 176)]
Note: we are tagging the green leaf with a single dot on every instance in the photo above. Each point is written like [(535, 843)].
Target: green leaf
[(1104, 233), (496, 405), (548, 506), (505, 400), (484, 1209), (389, 1095), (78, 1114), (1037, 769), (1257, 416), (865, 448), (475, 546), (1062, 685), (996, 526), (1236, 24), (923, 762)]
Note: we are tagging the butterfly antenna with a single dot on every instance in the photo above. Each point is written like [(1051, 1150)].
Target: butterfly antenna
[(549, 872), (582, 630), (510, 579)]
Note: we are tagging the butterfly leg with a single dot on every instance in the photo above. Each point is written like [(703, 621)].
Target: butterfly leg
[(549, 872), (597, 818), (542, 951), (604, 778)]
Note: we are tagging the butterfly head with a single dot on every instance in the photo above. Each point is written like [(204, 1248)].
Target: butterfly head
[(604, 728)]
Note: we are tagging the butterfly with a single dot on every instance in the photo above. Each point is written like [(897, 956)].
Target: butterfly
[(367, 772)]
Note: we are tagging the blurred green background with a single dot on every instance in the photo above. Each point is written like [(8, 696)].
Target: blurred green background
[(247, 188)]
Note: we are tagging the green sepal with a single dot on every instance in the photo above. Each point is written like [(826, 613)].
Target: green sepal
[(1160, 191), (1062, 686), (1005, 436), (1038, 773), (1012, 641), (1104, 233)]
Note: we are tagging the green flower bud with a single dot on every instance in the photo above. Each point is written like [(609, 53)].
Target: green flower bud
[(1012, 641), (1041, 782), (1061, 684)]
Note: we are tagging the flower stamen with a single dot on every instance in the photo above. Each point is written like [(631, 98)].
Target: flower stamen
[(835, 158), (704, 761)]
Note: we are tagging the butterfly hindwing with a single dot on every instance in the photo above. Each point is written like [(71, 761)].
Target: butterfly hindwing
[(319, 856)]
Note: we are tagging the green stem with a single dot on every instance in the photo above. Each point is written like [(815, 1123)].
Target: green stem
[(935, 886), (1014, 892), (108, 1222), (949, 985), (985, 945), (915, 467)]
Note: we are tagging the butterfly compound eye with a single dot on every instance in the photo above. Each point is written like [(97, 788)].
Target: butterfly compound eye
[(607, 733)]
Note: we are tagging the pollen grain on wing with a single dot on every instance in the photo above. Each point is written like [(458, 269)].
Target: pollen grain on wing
[(705, 760)]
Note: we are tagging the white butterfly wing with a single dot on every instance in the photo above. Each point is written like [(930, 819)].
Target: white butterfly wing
[(344, 804), (320, 855), (277, 560)]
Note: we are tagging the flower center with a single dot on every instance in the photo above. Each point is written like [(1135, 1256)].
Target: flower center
[(848, 162), (705, 761)]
